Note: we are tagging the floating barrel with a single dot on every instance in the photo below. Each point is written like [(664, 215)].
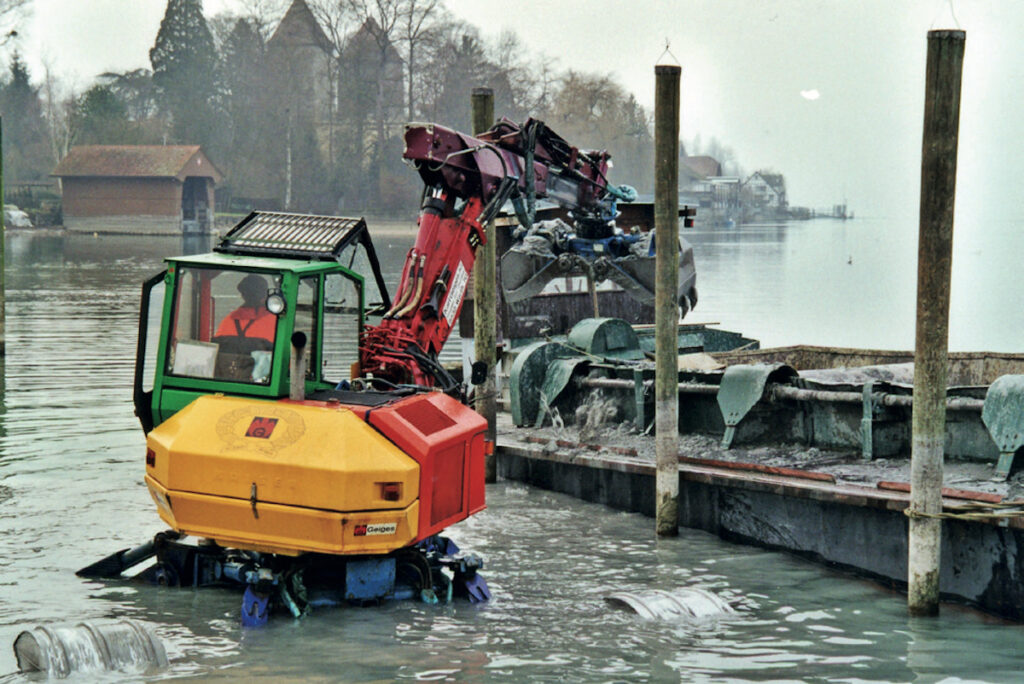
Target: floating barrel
[(670, 605), (124, 645)]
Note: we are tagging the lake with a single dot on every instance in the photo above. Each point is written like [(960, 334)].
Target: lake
[(71, 491)]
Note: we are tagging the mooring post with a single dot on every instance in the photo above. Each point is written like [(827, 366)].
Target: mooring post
[(485, 301), (934, 263), (666, 305), (3, 252)]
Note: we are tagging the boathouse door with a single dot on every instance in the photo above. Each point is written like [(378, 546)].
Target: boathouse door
[(195, 210)]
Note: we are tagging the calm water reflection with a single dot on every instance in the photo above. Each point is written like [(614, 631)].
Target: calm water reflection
[(854, 283), (71, 491)]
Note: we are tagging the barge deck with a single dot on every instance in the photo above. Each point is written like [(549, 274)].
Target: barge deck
[(813, 492)]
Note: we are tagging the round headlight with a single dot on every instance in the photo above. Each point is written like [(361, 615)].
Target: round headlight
[(275, 303)]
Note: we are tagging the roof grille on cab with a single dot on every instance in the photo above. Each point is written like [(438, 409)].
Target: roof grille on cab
[(303, 236)]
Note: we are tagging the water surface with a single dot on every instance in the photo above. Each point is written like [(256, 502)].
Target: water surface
[(71, 491), (854, 283)]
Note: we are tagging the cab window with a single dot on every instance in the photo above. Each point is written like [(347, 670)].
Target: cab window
[(222, 329), (342, 305), (355, 258), (305, 319)]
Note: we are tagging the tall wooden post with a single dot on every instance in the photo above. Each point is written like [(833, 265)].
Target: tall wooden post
[(485, 301), (666, 306), (3, 252), (934, 263)]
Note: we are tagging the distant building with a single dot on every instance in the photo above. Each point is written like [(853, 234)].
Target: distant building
[(703, 166), (348, 95), (695, 174), (300, 56), (137, 189), (725, 194), (765, 191)]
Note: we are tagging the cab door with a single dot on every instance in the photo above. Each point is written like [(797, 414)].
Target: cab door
[(150, 317)]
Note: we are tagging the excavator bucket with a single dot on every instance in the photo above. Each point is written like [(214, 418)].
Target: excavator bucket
[(528, 267)]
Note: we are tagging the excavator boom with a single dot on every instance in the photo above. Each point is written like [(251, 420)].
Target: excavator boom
[(467, 181)]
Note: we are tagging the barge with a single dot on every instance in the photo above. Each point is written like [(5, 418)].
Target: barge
[(800, 449)]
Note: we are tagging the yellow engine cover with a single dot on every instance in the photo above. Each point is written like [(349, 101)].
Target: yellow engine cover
[(282, 477)]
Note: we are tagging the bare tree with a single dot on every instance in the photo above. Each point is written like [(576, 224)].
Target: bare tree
[(594, 110), (58, 104), (369, 72), (336, 19), (262, 15), (531, 80), (415, 18), (380, 20)]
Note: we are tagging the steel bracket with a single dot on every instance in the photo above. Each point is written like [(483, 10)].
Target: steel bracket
[(527, 379), (1003, 415), (740, 390), (871, 408), (556, 379), (641, 392)]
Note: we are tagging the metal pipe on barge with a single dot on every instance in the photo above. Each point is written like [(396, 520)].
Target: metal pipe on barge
[(776, 392)]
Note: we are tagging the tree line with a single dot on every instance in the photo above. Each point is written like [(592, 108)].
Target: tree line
[(313, 120)]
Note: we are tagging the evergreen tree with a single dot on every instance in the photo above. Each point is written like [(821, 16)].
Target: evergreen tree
[(247, 100), (135, 90), (26, 147), (184, 62), (100, 118)]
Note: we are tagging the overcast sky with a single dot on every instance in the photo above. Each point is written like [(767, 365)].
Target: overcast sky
[(829, 92)]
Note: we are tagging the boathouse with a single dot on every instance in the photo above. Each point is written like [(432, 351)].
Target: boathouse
[(149, 189)]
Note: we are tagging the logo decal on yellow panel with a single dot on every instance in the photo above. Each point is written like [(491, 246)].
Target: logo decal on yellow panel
[(265, 428), (261, 427), (374, 529)]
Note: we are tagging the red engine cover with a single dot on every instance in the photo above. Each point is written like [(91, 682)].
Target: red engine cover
[(446, 438)]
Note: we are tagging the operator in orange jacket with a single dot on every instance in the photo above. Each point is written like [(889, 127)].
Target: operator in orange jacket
[(251, 320)]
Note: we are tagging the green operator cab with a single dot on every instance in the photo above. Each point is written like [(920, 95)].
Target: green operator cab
[(227, 318)]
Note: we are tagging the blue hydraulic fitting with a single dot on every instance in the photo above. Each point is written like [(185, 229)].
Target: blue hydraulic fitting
[(255, 608)]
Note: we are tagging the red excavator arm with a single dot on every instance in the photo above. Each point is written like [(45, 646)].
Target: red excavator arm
[(467, 180)]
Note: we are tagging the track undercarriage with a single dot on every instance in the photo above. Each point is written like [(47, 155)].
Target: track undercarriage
[(432, 571)]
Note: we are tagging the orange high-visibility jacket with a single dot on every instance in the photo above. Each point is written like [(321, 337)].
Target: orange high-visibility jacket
[(247, 321)]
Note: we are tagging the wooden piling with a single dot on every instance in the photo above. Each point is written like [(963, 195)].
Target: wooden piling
[(3, 252), (934, 264), (666, 305), (485, 301)]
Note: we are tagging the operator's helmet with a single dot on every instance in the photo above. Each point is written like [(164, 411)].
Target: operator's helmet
[(253, 289)]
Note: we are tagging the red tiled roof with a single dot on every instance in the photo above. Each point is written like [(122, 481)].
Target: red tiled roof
[(704, 165), (139, 161)]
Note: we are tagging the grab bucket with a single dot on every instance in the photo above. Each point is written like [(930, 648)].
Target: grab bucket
[(669, 605), (124, 645)]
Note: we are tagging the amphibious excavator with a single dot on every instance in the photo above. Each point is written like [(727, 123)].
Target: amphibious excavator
[(302, 438)]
